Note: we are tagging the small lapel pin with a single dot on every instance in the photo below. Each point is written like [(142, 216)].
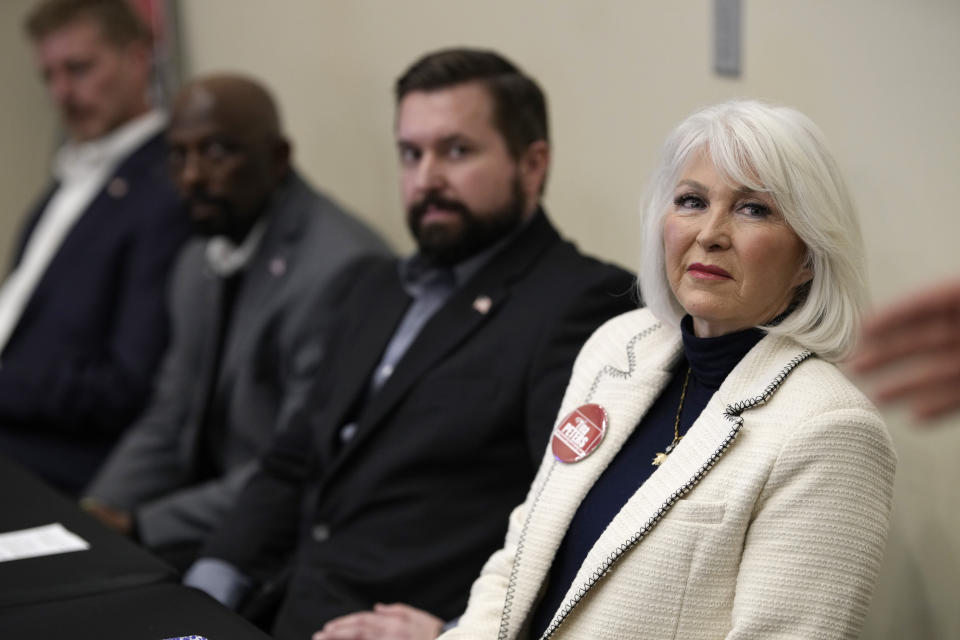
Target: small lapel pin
[(278, 267), (482, 304), (117, 188)]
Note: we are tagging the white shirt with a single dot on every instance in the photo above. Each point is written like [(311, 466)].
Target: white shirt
[(225, 258), (82, 169)]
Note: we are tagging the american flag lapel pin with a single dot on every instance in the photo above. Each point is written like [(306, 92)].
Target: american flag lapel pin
[(278, 267), (482, 304), (117, 188)]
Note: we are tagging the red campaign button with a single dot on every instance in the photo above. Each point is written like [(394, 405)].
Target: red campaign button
[(580, 433)]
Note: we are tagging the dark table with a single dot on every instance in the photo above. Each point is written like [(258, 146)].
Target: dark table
[(115, 590), (112, 562), (152, 612)]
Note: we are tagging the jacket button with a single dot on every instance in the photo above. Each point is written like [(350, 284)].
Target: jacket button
[(320, 532)]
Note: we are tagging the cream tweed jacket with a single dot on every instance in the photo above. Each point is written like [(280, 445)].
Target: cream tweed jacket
[(767, 521)]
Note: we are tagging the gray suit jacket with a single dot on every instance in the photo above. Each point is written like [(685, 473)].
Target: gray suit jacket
[(268, 357)]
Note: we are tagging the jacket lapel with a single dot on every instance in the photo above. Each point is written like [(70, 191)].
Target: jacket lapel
[(462, 315), (265, 277), (128, 173), (750, 384), (755, 379), (452, 324), (625, 391), (368, 333)]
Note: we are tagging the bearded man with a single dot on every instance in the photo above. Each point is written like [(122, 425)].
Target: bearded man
[(444, 374)]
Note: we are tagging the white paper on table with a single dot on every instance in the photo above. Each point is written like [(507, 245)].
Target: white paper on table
[(39, 541)]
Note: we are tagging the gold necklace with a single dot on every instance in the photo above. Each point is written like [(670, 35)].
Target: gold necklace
[(660, 457)]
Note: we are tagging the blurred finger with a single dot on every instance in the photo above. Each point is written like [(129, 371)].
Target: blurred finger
[(936, 401), (940, 300), (932, 336), (937, 374)]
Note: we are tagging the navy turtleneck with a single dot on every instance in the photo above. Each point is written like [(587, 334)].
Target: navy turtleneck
[(710, 361)]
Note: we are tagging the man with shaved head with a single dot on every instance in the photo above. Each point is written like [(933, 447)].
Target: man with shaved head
[(82, 312), (244, 292)]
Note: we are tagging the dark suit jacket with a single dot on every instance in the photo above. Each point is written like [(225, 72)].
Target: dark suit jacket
[(413, 505), (155, 470), (79, 365)]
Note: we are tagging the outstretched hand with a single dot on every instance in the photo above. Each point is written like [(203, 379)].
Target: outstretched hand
[(118, 520), (913, 349), (385, 622)]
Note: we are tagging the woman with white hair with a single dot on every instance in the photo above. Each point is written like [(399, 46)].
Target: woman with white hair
[(712, 474)]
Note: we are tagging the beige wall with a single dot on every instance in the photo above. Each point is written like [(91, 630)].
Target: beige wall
[(27, 129), (879, 76)]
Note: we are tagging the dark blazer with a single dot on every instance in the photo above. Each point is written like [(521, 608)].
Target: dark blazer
[(78, 367), (156, 470), (411, 507)]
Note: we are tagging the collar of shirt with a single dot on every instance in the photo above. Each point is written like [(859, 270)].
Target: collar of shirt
[(225, 258), (77, 161)]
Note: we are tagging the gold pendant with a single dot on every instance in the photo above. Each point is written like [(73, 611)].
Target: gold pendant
[(659, 459)]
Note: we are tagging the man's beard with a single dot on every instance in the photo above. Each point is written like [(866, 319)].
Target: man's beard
[(226, 222), (447, 246)]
